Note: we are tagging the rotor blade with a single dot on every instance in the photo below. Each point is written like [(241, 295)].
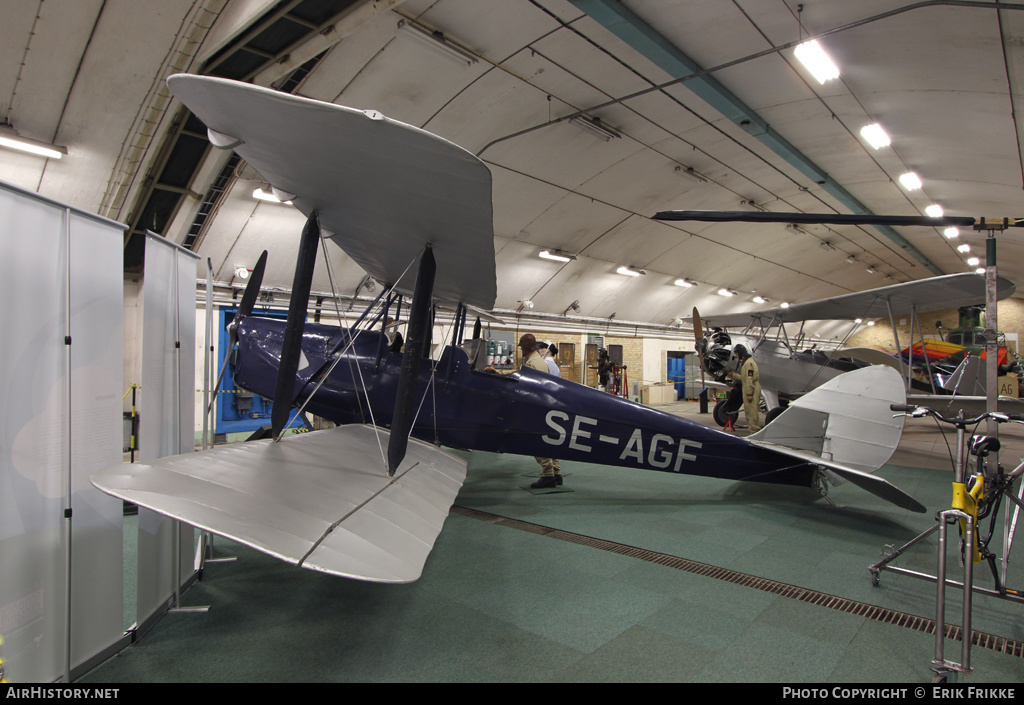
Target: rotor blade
[(291, 345), (418, 335), (832, 219)]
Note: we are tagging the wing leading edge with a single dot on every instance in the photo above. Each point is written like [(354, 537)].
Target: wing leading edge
[(934, 294), (321, 500), (382, 188)]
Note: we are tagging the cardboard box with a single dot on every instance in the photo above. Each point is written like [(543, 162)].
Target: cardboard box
[(1009, 386), (658, 394)]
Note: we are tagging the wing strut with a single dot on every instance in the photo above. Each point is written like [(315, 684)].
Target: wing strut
[(415, 347), (291, 346)]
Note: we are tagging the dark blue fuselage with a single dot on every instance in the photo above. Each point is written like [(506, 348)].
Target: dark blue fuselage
[(526, 413)]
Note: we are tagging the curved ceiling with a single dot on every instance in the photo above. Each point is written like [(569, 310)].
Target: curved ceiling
[(706, 105)]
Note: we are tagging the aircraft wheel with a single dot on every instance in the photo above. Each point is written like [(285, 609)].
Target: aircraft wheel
[(720, 414), (772, 415)]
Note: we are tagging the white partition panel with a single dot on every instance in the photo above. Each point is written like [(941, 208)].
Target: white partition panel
[(97, 354), (61, 560), (167, 411)]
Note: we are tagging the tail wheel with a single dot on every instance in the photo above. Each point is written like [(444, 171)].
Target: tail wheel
[(772, 415)]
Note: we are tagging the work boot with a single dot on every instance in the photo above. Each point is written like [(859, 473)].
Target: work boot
[(545, 481)]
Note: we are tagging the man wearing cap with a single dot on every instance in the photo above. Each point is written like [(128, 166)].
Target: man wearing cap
[(749, 377), (551, 471)]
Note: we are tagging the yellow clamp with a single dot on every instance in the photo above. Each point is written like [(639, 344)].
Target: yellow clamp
[(967, 502)]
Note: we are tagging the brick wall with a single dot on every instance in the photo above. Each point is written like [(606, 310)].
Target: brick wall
[(1009, 319)]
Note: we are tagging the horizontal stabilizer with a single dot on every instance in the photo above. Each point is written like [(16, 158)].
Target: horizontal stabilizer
[(320, 500), (846, 426), (877, 486)]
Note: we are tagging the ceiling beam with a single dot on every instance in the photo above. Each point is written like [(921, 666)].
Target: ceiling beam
[(639, 35)]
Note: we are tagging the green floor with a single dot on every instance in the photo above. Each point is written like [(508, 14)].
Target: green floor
[(498, 603)]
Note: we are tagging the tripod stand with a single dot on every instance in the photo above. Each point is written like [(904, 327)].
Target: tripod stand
[(974, 498)]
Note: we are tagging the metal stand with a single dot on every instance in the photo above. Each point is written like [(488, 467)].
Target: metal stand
[(177, 577), (944, 669), (988, 489)]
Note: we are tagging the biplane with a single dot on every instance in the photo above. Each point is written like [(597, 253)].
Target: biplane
[(787, 371), (366, 500)]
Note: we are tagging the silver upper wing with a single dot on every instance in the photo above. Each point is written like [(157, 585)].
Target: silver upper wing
[(382, 188), (934, 294)]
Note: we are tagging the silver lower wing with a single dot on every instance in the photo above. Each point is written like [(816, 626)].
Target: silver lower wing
[(321, 500)]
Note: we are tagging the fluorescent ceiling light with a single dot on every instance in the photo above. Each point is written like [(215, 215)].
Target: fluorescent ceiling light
[(684, 282), (872, 270), (974, 261), (11, 140), (760, 300), (784, 304), (436, 42), (933, 211), (261, 195), (910, 181), (724, 292), (594, 126), (950, 233), (557, 256), (963, 248), (630, 271), (690, 173), (817, 61), (875, 136), (979, 270)]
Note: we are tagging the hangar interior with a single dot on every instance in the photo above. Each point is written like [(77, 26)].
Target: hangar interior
[(591, 117)]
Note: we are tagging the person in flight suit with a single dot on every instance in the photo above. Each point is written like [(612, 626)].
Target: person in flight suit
[(748, 377)]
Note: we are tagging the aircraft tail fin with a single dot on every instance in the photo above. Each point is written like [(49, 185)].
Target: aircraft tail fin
[(847, 428), (847, 420), (968, 379)]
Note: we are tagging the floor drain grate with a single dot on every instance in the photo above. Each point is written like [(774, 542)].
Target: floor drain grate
[(861, 609)]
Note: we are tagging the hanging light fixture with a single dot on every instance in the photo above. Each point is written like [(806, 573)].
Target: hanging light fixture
[(10, 139), (595, 127), (815, 60)]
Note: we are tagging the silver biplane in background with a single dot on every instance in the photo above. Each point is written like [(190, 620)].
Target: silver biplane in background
[(788, 372)]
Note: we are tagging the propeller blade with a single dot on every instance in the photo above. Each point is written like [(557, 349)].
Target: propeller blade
[(252, 290), (698, 329), (291, 345), (477, 329)]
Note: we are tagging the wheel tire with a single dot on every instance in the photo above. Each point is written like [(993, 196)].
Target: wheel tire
[(772, 415), (721, 417)]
